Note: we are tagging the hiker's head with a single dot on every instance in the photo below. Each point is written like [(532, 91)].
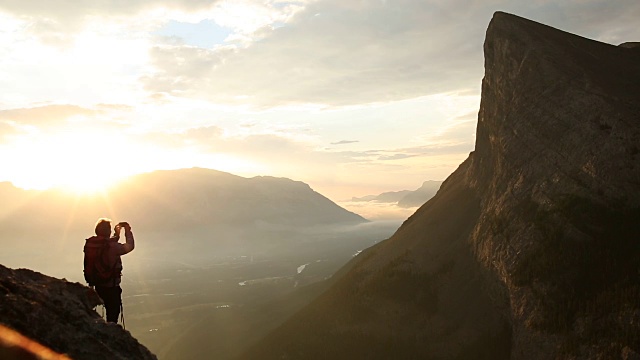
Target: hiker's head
[(103, 227)]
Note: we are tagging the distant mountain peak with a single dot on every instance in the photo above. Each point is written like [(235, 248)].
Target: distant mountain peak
[(404, 198)]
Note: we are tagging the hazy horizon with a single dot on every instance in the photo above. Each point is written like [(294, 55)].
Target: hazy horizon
[(370, 210)]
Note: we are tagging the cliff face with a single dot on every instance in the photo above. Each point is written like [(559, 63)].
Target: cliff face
[(59, 315), (531, 248), (557, 165)]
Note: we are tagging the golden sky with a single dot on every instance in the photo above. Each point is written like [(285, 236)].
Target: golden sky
[(351, 97)]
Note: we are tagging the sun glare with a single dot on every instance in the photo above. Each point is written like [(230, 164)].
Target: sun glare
[(78, 161), (92, 160)]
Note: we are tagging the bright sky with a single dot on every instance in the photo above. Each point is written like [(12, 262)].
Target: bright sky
[(351, 97)]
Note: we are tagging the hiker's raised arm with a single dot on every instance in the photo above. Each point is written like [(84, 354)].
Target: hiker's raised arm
[(130, 242)]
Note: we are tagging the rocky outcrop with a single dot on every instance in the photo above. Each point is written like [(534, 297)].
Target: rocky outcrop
[(531, 248), (59, 315)]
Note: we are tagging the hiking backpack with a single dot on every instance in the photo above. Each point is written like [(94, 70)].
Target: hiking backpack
[(97, 270)]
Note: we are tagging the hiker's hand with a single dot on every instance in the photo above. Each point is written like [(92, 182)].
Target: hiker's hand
[(125, 225)]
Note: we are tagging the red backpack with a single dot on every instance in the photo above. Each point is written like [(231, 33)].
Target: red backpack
[(97, 270)]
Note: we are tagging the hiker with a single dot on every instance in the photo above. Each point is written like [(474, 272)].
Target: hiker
[(103, 266)]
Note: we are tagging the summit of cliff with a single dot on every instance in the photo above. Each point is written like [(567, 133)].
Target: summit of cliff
[(531, 248)]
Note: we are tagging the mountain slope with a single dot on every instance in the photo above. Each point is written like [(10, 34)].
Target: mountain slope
[(530, 249), (58, 314), (202, 196)]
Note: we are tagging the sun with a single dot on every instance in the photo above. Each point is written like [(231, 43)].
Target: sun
[(81, 161), (82, 183), (92, 160)]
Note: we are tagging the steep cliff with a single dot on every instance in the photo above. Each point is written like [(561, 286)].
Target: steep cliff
[(59, 315), (531, 248)]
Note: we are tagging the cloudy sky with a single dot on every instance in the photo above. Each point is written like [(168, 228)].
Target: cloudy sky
[(354, 97)]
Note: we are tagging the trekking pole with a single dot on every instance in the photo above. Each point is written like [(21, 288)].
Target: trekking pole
[(122, 316)]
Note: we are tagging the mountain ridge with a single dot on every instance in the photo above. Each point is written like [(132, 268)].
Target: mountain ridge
[(181, 199)]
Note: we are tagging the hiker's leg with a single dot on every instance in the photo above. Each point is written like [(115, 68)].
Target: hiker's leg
[(112, 300), (115, 300)]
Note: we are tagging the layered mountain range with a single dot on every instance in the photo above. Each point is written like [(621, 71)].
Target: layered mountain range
[(405, 198), (174, 200), (531, 248)]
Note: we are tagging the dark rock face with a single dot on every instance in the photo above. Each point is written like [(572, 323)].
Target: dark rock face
[(531, 248), (59, 315), (558, 165)]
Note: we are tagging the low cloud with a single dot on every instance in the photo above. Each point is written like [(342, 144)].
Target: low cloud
[(395, 157), (378, 211)]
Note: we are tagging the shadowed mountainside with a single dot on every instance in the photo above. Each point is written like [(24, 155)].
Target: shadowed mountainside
[(59, 315), (530, 249)]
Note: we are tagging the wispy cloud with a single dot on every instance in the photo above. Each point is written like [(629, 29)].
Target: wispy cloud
[(335, 53), (47, 115), (342, 53), (344, 142)]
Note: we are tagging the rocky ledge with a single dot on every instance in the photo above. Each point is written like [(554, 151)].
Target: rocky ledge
[(60, 315)]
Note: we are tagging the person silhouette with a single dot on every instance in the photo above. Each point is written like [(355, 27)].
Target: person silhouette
[(103, 265)]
